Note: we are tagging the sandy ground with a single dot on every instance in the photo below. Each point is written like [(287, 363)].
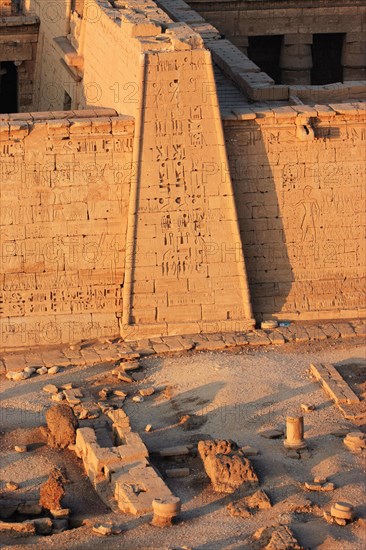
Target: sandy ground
[(238, 394)]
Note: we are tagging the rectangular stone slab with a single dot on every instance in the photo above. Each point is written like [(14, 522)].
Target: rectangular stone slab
[(333, 383)]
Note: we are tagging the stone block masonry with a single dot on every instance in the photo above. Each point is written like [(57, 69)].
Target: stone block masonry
[(122, 471), (65, 188), (182, 226), (134, 212), (299, 182)]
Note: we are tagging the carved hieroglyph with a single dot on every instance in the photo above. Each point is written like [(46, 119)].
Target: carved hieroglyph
[(63, 205), (183, 237)]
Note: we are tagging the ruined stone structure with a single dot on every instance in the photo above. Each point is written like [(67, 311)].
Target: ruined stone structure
[(155, 180)]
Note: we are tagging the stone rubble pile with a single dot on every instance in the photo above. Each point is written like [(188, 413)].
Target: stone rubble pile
[(226, 465)]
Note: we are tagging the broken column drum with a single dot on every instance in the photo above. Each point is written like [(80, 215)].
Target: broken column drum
[(295, 433), (165, 509)]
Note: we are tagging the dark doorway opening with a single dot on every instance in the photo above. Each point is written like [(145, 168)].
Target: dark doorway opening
[(67, 102), (8, 87), (327, 55), (265, 52)]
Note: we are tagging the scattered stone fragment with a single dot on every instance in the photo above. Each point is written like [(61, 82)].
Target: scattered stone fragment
[(269, 324), (7, 508), (177, 472), (239, 509), (247, 450), (319, 484), (276, 537), (106, 529), (53, 370), (130, 365), (50, 388), (307, 407), (20, 375), (43, 526), (175, 451), (272, 434), (59, 525), (259, 500), (355, 441), (21, 448), (88, 409), (103, 529), (42, 370), (165, 510), (328, 518), (328, 487), (52, 491), (227, 470), (105, 408), (313, 486), (105, 393), (124, 377), (342, 510), (120, 393), (58, 397), (138, 376), (340, 433), (67, 386), (60, 513), (73, 396), (245, 507), (147, 392), (138, 399), (11, 486), (30, 370), (9, 375), (62, 425), (31, 508), (192, 421), (292, 453), (321, 480), (25, 528), (148, 428)]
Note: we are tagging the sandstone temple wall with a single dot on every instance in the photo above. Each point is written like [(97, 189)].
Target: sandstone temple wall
[(185, 270), (64, 199), (53, 77), (299, 183), (132, 202), (184, 267)]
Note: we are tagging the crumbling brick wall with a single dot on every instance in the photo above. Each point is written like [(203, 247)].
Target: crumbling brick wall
[(65, 183)]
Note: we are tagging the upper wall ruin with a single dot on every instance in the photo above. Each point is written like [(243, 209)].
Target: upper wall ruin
[(302, 52)]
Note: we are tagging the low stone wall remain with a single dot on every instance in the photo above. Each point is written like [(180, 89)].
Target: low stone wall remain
[(124, 471)]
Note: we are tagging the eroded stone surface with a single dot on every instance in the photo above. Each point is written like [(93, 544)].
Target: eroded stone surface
[(62, 425), (52, 491), (227, 467), (246, 506), (279, 537)]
